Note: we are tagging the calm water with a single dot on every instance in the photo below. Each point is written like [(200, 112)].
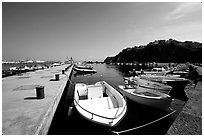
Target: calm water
[(136, 116), (108, 73)]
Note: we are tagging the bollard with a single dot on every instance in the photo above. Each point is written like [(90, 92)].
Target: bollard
[(63, 71), (40, 92), (56, 77), (70, 111)]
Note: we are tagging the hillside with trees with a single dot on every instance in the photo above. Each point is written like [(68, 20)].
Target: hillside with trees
[(161, 51)]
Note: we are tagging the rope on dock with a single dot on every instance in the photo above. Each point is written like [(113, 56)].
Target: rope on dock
[(127, 130)]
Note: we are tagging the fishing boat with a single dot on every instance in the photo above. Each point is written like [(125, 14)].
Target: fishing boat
[(160, 78), (158, 71), (80, 70), (149, 97), (172, 80), (148, 84), (100, 103)]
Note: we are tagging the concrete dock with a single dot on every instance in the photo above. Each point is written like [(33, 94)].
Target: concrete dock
[(22, 112), (189, 120)]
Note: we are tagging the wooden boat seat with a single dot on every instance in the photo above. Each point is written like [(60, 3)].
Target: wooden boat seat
[(103, 106), (95, 92)]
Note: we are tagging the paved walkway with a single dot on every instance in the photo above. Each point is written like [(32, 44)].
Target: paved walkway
[(189, 121), (22, 112)]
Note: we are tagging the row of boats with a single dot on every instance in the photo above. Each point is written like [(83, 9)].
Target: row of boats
[(103, 104)]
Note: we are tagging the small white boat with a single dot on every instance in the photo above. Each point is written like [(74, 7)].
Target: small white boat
[(171, 80), (83, 67), (158, 71), (148, 97), (25, 68), (79, 70), (148, 84), (13, 68), (160, 78), (100, 103)]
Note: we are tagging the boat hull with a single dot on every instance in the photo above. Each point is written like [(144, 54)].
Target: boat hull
[(84, 67), (83, 71), (162, 102), (149, 84), (171, 80), (104, 110)]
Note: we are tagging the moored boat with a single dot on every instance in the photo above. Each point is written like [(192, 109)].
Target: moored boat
[(172, 80), (79, 70), (158, 71), (161, 78), (178, 84), (83, 67), (148, 97), (100, 103), (148, 84)]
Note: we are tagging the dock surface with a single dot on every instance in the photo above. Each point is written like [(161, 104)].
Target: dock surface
[(189, 120), (22, 112)]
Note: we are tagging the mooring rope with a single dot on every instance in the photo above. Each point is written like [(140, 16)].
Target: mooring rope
[(127, 130), (70, 80)]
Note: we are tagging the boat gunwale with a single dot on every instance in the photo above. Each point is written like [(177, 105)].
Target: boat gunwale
[(155, 85), (140, 95), (94, 114), (167, 101)]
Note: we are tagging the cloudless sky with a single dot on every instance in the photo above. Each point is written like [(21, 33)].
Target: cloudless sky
[(93, 31)]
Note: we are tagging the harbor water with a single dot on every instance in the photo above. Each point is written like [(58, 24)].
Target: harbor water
[(139, 119)]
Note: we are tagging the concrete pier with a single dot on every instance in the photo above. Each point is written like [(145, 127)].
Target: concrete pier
[(189, 120), (22, 112)]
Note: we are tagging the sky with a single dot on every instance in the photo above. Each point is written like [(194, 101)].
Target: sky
[(54, 31)]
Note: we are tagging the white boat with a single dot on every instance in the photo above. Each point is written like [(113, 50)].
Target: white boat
[(172, 80), (25, 68), (180, 72), (158, 71), (83, 67), (79, 70), (160, 78), (13, 68), (148, 97), (148, 84), (100, 103)]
